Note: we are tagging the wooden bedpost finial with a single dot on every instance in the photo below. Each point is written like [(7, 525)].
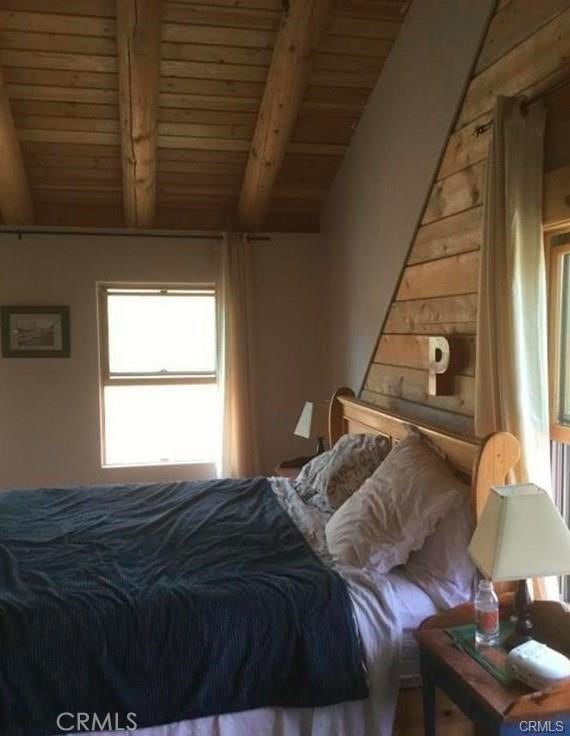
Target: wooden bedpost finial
[(499, 453), (336, 414)]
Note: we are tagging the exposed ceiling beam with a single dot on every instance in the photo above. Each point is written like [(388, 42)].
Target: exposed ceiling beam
[(15, 196), (301, 29), (138, 47)]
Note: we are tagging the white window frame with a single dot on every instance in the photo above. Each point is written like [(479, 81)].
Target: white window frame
[(162, 378), (555, 257)]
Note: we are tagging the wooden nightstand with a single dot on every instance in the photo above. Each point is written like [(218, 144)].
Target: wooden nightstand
[(492, 707), (291, 468), (290, 473)]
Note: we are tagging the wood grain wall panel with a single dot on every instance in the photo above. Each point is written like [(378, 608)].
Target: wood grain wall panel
[(557, 150), (455, 193), (339, 98), (443, 315), (74, 177), (345, 25), (458, 423), (206, 130), (70, 136), (207, 117), (412, 351), (557, 196), (528, 67), (57, 23), (59, 213), (557, 144), (52, 60), (63, 94), (348, 45), (60, 59), (354, 62), (466, 147), (54, 42), (95, 8), (207, 102), (514, 24), (71, 164), (210, 35), (214, 87), (203, 70), (58, 150), (456, 234), (56, 108), (208, 15), (526, 51), (61, 78), (412, 384), (193, 156), (72, 196), (457, 274), (216, 54), (52, 122)]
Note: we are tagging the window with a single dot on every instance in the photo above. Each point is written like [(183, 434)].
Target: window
[(560, 460), (559, 328), (558, 249), (159, 375)]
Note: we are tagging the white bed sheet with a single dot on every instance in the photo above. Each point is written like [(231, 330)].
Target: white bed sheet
[(413, 606), (385, 606)]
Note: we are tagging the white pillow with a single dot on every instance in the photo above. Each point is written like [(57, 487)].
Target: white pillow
[(395, 509), (442, 567), (335, 475)]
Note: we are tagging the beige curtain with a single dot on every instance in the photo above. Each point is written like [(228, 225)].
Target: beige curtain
[(239, 455), (512, 342)]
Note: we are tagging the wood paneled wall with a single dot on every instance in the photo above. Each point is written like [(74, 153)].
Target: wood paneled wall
[(526, 51)]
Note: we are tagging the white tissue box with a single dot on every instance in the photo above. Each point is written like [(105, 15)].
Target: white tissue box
[(537, 665)]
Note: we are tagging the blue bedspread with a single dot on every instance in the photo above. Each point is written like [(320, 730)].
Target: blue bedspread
[(166, 601)]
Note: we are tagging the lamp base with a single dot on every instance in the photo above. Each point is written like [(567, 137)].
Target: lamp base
[(320, 446), (523, 625)]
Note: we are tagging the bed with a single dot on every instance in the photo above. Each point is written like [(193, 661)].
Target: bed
[(384, 610)]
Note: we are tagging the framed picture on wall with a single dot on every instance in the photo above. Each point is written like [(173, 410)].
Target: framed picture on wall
[(35, 332)]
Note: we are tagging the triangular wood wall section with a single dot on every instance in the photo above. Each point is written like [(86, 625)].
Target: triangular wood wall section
[(526, 51)]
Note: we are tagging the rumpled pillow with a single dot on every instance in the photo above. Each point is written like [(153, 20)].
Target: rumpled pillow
[(395, 510), (333, 476), (442, 567)]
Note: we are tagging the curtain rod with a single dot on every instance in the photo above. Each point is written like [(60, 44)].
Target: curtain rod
[(177, 235), (526, 101)]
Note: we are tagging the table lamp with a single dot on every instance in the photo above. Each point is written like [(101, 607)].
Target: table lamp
[(313, 423), (520, 535)]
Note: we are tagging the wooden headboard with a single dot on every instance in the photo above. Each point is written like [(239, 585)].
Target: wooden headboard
[(485, 462)]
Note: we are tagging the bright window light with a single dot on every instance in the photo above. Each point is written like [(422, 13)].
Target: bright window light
[(161, 424), (159, 333), (159, 373), (564, 349)]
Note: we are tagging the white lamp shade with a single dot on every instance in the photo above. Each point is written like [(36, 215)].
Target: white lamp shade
[(313, 421), (520, 535)]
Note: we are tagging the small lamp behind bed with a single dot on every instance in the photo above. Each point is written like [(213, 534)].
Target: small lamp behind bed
[(520, 535), (313, 423)]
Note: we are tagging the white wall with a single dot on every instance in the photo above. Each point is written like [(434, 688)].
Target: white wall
[(373, 208), (291, 332), (49, 408)]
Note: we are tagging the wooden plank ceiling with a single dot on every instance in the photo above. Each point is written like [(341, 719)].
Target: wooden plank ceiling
[(99, 151)]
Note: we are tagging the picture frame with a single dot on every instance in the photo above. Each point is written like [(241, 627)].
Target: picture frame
[(35, 332)]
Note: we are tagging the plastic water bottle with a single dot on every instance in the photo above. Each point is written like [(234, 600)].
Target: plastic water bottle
[(486, 615)]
